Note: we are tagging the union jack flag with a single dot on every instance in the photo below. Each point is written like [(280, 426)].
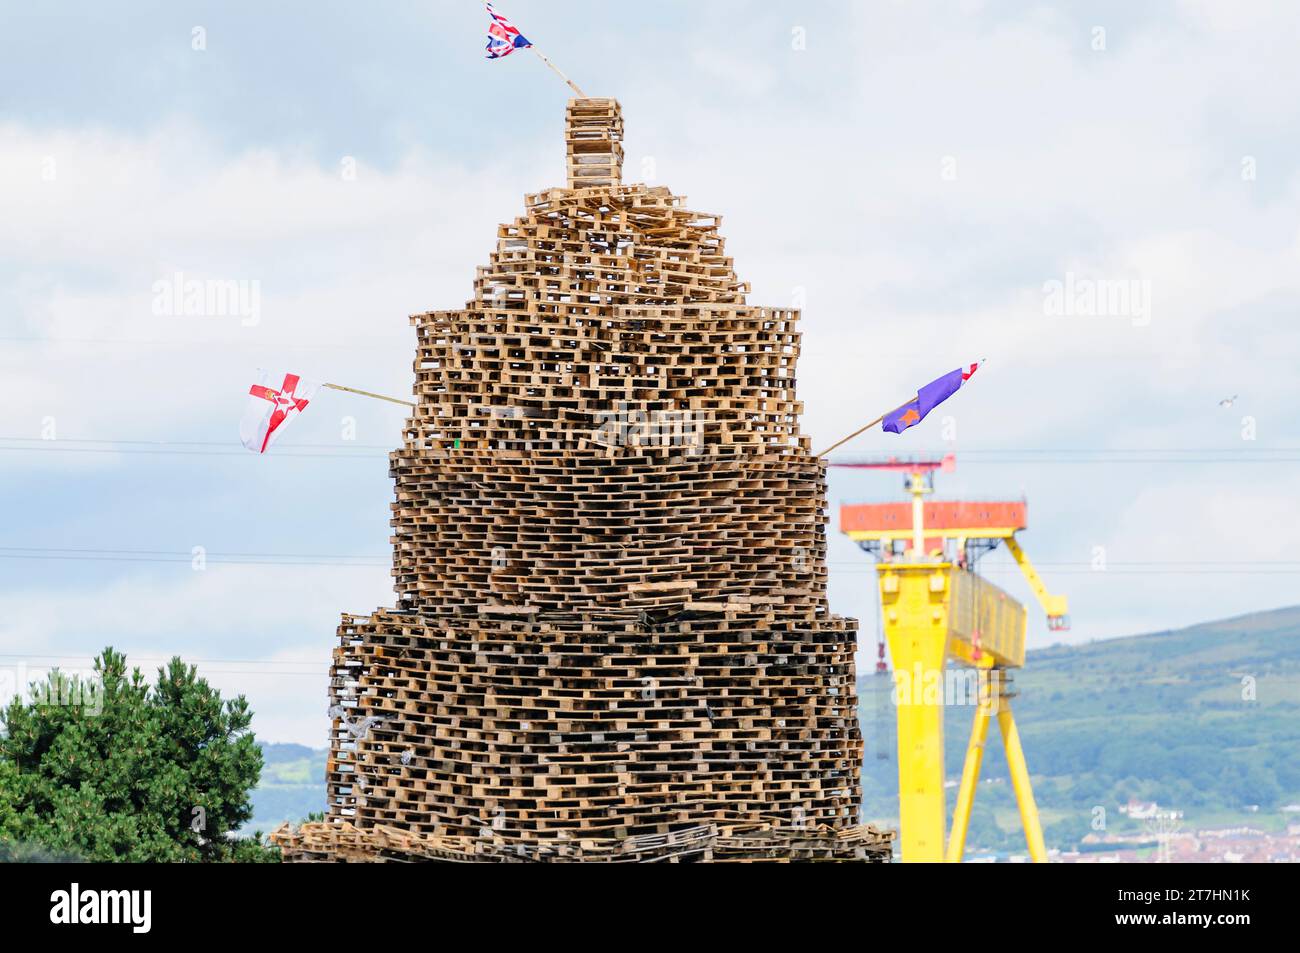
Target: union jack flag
[(503, 36)]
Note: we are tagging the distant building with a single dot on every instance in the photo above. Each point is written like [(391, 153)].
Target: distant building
[(1140, 810)]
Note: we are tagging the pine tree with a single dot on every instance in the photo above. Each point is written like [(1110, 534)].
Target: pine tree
[(113, 769)]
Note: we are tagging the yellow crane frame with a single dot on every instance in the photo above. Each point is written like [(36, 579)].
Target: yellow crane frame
[(935, 610)]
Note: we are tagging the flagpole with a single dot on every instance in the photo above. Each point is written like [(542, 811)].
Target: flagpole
[(862, 430), (964, 376), (366, 393), (545, 59)]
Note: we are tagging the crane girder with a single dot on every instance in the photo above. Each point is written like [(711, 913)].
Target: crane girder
[(1056, 607)]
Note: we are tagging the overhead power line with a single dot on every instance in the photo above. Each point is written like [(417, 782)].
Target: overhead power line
[(376, 560), (351, 451)]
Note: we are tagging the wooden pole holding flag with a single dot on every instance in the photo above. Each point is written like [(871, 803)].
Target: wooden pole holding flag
[(504, 38), (935, 393), (862, 430), (366, 393), (545, 59)]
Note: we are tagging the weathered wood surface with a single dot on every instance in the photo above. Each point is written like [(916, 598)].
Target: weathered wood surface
[(613, 641)]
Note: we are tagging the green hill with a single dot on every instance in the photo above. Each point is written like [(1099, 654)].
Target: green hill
[(292, 785), (1205, 720)]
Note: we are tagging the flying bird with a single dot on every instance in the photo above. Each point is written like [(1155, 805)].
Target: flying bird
[(1228, 401)]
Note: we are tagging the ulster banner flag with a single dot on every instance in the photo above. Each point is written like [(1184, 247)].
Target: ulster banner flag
[(272, 402)]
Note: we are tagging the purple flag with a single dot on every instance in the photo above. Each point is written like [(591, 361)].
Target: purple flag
[(927, 398)]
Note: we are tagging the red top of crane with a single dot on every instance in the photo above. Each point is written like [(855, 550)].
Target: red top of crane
[(947, 463), (929, 524)]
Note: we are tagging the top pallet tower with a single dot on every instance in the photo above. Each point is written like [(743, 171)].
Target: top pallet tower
[(612, 640)]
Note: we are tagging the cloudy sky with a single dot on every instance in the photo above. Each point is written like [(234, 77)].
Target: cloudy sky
[(916, 176)]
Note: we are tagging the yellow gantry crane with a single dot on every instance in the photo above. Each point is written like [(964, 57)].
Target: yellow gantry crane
[(936, 609)]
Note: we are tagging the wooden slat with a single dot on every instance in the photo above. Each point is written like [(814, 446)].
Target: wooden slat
[(609, 545)]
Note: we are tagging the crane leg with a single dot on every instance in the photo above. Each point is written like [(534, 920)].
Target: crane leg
[(920, 774), (970, 774), (916, 626), (1020, 783)]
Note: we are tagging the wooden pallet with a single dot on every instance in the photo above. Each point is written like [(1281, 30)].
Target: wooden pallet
[(594, 135), (341, 841), (577, 531), (612, 640)]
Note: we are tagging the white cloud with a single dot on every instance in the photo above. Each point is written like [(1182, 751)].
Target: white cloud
[(224, 611), (339, 264), (826, 165), (266, 632)]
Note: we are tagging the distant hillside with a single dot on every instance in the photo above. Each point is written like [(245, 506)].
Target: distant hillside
[(1157, 717), (1166, 717), (292, 785)]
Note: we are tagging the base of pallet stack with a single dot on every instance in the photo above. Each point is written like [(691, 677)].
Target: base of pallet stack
[(593, 725), (342, 842)]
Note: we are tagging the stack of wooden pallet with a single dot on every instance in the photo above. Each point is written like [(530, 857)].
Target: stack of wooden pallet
[(612, 640), (594, 138), (343, 841)]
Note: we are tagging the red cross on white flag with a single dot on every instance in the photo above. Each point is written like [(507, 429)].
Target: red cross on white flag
[(271, 406)]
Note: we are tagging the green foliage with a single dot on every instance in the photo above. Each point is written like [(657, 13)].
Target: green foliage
[(157, 773), (16, 852)]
